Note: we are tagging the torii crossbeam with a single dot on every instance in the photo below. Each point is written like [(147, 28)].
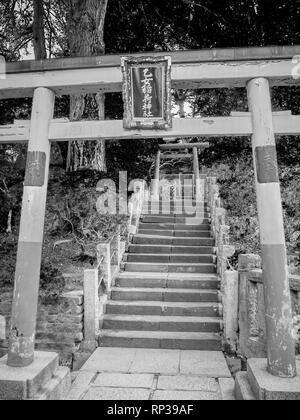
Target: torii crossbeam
[(234, 126)]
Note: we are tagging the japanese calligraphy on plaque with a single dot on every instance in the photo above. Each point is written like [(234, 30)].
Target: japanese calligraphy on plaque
[(147, 92)]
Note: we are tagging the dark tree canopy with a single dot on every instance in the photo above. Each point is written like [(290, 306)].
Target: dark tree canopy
[(148, 25)]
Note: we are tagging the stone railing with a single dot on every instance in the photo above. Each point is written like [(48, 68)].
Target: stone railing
[(99, 280), (228, 277), (242, 291), (251, 317)]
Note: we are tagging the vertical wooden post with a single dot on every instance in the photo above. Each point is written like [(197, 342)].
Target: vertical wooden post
[(280, 344), (27, 276), (196, 174), (155, 191)]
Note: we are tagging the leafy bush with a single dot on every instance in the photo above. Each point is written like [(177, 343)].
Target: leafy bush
[(8, 256), (52, 284), (11, 184), (235, 174), (72, 212)]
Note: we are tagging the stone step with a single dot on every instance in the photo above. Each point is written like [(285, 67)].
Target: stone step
[(197, 221), (185, 199), (161, 323), (171, 258), (185, 309), (180, 206), (242, 389), (171, 268), (175, 233), (202, 282), (168, 296), (178, 213), (164, 240), (163, 294), (169, 249), (188, 199), (173, 214), (173, 226), (161, 339), (57, 388)]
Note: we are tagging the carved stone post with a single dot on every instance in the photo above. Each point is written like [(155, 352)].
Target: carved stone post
[(119, 245), (247, 263), (103, 250), (91, 308)]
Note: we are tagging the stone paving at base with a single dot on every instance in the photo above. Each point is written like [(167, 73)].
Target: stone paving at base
[(153, 374)]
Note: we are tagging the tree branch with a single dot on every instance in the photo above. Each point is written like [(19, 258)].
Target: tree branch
[(206, 9)]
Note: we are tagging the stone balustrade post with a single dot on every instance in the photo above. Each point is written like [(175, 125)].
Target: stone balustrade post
[(115, 249), (119, 245), (230, 310), (246, 263), (91, 309), (103, 250)]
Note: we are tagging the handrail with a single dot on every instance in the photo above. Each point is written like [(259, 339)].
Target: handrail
[(220, 229), (99, 280), (228, 276)]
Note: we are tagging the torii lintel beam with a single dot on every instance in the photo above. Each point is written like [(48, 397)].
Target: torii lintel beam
[(216, 68)]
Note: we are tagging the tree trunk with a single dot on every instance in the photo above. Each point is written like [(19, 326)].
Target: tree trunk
[(86, 20), (180, 98), (39, 43), (9, 219), (40, 50)]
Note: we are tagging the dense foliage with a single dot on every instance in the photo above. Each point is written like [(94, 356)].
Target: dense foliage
[(235, 174)]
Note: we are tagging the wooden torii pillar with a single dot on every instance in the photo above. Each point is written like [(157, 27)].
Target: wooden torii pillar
[(27, 275), (280, 343)]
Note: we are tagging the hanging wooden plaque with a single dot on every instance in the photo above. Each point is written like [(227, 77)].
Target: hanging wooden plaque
[(147, 92)]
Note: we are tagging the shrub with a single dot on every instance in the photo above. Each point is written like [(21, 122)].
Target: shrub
[(52, 284)]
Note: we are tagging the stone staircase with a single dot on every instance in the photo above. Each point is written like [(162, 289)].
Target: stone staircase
[(168, 296)]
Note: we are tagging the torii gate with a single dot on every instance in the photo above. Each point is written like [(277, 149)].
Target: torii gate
[(254, 68), (168, 148)]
